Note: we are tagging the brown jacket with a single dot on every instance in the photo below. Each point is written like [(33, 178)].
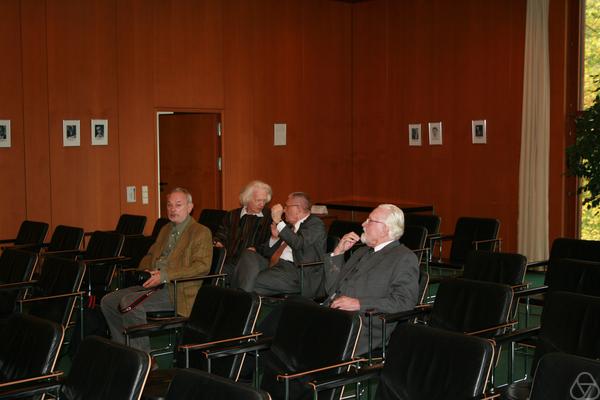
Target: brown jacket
[(191, 256)]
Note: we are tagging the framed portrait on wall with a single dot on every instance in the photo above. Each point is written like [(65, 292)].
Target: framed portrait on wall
[(71, 133), (414, 134), (99, 131), (4, 133), (435, 133), (478, 133)]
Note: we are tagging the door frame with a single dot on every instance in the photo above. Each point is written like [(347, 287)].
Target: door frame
[(158, 111)]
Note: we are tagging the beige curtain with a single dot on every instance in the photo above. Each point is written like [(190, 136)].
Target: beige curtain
[(535, 136)]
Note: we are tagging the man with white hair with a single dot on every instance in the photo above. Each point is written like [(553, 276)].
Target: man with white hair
[(382, 276), (245, 228)]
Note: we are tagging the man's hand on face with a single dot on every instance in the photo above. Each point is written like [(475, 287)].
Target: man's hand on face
[(276, 213), (347, 241)]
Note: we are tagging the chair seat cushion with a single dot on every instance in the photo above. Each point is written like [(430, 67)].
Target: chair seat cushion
[(158, 384)]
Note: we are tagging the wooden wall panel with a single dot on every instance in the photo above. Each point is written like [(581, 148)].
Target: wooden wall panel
[(82, 85), (137, 115), (12, 180), (287, 62), (35, 110), (420, 62), (188, 55)]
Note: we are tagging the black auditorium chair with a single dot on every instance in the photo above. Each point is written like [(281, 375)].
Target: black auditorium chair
[(63, 238), (428, 221), (562, 376), (29, 348), (219, 315), (579, 249), (211, 218), (472, 307), (415, 238), (30, 232), (129, 224), (192, 384), (310, 340), (54, 294), (425, 363), (101, 369), (569, 324), (15, 266), (470, 233), (505, 268)]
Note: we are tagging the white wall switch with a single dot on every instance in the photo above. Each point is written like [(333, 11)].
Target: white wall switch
[(144, 194), (131, 194), (280, 134)]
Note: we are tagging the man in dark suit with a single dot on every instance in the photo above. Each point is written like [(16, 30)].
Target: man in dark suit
[(301, 238), (382, 276)]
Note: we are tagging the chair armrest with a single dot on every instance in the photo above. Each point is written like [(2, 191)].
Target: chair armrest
[(346, 378), (539, 263), (105, 260), (26, 388), (158, 326), (17, 285), (491, 328), (477, 242), (531, 291), (355, 362), (517, 335), (197, 278), (59, 253), (261, 344), (406, 315), (311, 264), (205, 345), (56, 296)]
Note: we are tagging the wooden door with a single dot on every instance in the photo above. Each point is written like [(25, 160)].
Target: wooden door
[(189, 153)]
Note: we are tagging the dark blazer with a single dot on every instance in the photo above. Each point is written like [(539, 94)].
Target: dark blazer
[(237, 233), (308, 245), (384, 281)]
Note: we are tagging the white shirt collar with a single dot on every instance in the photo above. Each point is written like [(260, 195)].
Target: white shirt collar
[(297, 224), (381, 245), (245, 211)]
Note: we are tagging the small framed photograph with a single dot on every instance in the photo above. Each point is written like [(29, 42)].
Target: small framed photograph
[(4, 132), (478, 131), (414, 134), (435, 133), (71, 133), (99, 131)]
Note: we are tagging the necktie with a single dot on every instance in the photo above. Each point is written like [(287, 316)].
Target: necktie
[(277, 255)]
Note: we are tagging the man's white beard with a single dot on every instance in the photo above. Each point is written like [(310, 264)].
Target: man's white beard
[(363, 238)]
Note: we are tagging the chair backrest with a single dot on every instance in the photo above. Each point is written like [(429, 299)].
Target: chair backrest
[(103, 369), (219, 313), (15, 266), (467, 306), (427, 221), (193, 384), (102, 245), (216, 266), (469, 230), (211, 218), (423, 285), (571, 275), (564, 376), (135, 247), (415, 238), (131, 224), (162, 221), (31, 232), (58, 276), (575, 248), (506, 268), (308, 336), (29, 347), (65, 238), (570, 323), (425, 363)]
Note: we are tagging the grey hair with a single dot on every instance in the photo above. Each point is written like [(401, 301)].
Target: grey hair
[(394, 221), (248, 191), (187, 193), (304, 198)]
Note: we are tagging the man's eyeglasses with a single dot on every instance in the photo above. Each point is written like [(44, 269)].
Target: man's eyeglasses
[(291, 205), (373, 220)]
